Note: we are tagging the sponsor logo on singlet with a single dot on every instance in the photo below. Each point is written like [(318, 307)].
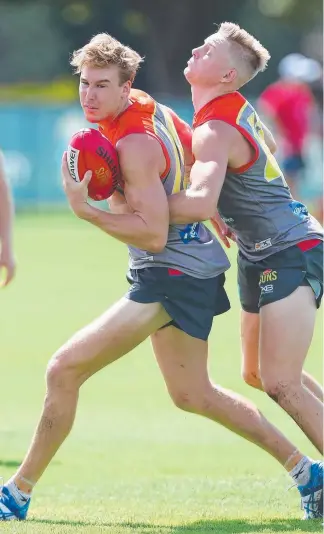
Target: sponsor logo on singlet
[(190, 233), (261, 245), (298, 209), (228, 220)]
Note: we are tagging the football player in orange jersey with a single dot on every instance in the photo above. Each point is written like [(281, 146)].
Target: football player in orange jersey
[(280, 260), (7, 260), (176, 274)]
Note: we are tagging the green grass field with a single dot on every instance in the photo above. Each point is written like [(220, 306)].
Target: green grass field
[(133, 463)]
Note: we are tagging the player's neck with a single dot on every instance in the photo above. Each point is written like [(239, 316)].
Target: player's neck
[(202, 95), (122, 108)]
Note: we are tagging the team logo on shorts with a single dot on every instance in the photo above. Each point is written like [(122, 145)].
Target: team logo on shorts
[(266, 278), (267, 288)]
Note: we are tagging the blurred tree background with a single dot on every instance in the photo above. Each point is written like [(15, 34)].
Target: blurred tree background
[(37, 37)]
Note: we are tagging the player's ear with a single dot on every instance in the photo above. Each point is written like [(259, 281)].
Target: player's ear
[(126, 88), (230, 76)]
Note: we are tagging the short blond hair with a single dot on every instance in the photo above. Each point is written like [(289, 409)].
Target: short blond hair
[(104, 50), (250, 52)]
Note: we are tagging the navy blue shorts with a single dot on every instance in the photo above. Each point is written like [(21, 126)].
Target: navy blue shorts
[(278, 275), (191, 302)]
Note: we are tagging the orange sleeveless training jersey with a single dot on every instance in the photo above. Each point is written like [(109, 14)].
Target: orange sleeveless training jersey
[(140, 117), (228, 108)]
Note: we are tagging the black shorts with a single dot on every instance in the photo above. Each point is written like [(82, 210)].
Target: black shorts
[(191, 302), (278, 275)]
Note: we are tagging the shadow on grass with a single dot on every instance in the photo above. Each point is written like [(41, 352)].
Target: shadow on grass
[(16, 463), (9, 463), (230, 526)]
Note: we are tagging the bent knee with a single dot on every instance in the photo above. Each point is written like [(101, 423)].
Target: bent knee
[(182, 400), (252, 379), (279, 390), (60, 372), (189, 401)]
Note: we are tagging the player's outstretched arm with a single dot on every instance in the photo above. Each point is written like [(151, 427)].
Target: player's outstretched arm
[(7, 260), (148, 224), (211, 146)]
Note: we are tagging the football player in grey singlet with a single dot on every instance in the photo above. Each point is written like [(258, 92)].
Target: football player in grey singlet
[(280, 272)]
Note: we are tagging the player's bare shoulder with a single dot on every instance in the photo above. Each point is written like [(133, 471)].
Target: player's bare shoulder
[(140, 150), (212, 135)]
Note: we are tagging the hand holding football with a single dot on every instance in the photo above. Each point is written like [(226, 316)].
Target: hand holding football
[(89, 150)]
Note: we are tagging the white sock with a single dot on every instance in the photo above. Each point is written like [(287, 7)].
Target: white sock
[(20, 496), (301, 472)]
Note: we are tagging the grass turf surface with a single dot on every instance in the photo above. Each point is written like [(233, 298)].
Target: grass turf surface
[(133, 463)]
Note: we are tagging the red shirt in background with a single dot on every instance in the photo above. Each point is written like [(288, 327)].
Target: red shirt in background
[(290, 105)]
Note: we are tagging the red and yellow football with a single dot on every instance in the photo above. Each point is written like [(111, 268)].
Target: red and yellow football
[(89, 150)]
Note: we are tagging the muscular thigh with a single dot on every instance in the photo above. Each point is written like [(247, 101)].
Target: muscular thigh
[(116, 332), (286, 330), (182, 360), (250, 344)]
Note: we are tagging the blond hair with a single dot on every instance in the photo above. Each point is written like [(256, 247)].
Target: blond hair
[(252, 56), (104, 50)]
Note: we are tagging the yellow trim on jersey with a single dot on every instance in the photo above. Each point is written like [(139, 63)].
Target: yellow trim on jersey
[(272, 170), (177, 148), (154, 119), (240, 113)]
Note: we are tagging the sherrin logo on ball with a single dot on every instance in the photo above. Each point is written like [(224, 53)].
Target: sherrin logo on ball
[(89, 150)]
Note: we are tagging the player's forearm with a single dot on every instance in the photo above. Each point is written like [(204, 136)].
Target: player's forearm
[(190, 206), (6, 214), (128, 228)]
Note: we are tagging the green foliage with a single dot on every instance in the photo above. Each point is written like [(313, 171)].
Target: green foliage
[(37, 36)]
